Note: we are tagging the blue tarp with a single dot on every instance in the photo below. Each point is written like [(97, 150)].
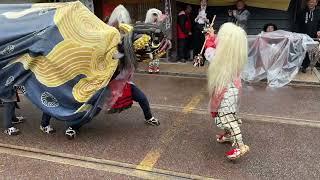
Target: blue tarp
[(60, 55)]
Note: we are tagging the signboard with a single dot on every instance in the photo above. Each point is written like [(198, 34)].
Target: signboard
[(269, 4)]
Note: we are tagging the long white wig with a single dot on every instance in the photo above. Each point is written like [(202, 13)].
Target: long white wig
[(149, 16), (119, 15), (230, 57)]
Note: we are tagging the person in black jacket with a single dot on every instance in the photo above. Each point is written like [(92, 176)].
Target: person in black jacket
[(184, 33), (200, 22), (309, 23)]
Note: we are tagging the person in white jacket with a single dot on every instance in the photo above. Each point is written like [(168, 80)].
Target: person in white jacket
[(239, 16)]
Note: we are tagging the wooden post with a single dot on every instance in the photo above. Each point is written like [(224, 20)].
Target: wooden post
[(173, 54)]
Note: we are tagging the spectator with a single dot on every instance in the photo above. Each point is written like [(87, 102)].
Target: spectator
[(210, 46), (309, 23), (270, 27), (184, 33), (121, 14), (200, 21), (240, 15), (155, 18)]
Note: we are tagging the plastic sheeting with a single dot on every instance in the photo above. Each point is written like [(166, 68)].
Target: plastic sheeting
[(276, 56)]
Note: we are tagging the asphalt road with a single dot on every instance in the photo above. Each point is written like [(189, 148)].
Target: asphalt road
[(280, 125)]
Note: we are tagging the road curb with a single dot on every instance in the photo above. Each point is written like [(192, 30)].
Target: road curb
[(174, 74), (203, 76), (130, 168)]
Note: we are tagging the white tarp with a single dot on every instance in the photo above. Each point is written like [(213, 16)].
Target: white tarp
[(276, 56)]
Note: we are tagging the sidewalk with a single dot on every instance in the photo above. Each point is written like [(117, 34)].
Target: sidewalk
[(187, 70)]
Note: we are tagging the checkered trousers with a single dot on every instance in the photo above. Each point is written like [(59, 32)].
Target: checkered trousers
[(154, 63), (226, 118)]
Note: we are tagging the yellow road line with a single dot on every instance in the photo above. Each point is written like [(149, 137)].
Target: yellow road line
[(150, 160), (153, 155), (192, 104)]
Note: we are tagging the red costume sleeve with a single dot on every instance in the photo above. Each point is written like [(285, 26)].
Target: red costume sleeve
[(211, 40), (215, 102)]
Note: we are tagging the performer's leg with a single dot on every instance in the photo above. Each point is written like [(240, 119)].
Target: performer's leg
[(45, 121), (150, 67), (156, 63), (231, 125), (151, 64), (9, 110), (8, 115), (45, 124), (139, 96), (17, 119)]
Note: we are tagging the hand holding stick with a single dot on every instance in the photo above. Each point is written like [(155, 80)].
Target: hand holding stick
[(198, 60), (205, 41)]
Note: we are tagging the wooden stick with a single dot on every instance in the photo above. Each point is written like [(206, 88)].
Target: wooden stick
[(214, 18), (205, 41)]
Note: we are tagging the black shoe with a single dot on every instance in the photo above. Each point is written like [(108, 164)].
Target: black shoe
[(12, 131), (70, 133), (18, 120), (153, 122), (304, 70), (47, 129)]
